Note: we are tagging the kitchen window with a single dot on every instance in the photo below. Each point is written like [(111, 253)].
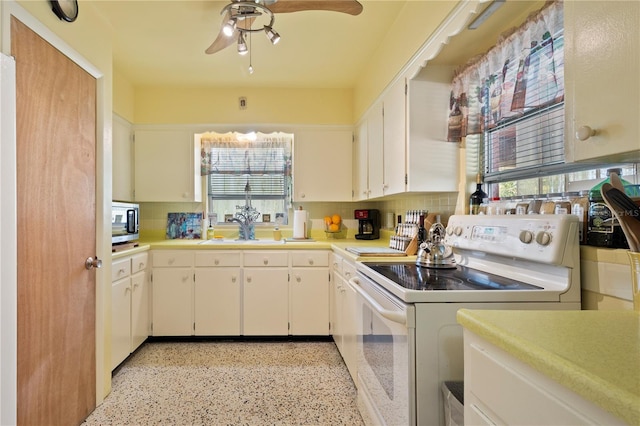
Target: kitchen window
[(252, 168), (508, 105)]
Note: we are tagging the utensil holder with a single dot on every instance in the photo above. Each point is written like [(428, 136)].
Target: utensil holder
[(634, 259)]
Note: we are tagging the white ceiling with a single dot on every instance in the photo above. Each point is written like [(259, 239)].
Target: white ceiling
[(162, 42)]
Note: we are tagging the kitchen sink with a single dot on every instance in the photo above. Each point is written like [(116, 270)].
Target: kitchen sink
[(245, 242)]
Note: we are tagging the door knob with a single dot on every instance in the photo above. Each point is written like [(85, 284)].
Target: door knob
[(91, 263)]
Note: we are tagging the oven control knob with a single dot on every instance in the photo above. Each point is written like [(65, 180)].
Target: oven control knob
[(449, 230), (526, 237), (457, 230), (543, 238)]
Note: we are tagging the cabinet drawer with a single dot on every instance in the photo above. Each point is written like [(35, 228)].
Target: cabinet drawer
[(266, 258), (336, 263), (168, 258), (310, 258), (218, 258), (348, 270), (120, 269), (139, 262)]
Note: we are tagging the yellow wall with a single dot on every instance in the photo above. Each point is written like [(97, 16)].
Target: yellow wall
[(123, 96), (415, 23), (188, 105)]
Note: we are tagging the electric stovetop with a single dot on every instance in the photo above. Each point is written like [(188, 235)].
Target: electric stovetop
[(414, 277)]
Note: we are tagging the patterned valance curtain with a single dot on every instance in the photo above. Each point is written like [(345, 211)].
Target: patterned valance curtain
[(246, 154), (523, 73)]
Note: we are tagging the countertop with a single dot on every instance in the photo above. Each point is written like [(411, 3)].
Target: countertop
[(338, 246), (596, 354)]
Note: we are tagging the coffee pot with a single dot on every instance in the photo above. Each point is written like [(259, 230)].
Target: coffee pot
[(434, 253)]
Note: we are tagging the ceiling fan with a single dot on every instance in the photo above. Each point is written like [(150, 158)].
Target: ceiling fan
[(239, 17)]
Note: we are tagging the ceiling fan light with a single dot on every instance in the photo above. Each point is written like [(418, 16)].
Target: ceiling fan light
[(229, 27), (272, 35), (242, 45)]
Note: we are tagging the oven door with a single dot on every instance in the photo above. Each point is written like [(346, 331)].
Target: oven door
[(386, 365)]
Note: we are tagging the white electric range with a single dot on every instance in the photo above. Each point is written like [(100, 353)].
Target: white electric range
[(410, 342)]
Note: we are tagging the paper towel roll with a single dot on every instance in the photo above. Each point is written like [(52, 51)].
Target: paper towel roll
[(300, 224)]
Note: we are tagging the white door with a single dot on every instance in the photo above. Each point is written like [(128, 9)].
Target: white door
[(309, 307)]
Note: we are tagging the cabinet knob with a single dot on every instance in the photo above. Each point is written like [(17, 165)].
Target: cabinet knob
[(298, 279), (233, 279), (302, 195), (216, 262), (265, 261), (141, 265), (310, 261), (248, 279), (585, 132)]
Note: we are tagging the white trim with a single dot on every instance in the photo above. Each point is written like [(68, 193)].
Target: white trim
[(103, 188), (8, 242)]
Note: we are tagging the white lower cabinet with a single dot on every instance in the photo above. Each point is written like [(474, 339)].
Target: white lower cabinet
[(173, 301), (234, 293), (309, 293), (129, 306), (500, 389), (344, 313), (266, 302), (217, 293)]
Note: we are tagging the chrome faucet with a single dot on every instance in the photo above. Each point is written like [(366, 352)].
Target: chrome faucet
[(247, 228), (246, 217)]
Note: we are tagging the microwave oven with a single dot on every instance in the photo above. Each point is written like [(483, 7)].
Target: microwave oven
[(124, 222)]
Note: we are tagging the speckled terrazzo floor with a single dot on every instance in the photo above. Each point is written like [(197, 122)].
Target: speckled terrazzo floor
[(231, 383)]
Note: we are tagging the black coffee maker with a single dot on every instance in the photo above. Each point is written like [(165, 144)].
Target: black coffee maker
[(368, 224)]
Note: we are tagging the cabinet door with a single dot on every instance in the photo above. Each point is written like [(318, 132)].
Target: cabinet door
[(375, 138), (140, 321), (602, 89), (351, 320), (217, 302), (172, 301), (360, 163), (337, 302), (120, 320), (122, 142), (167, 166), (309, 307), (322, 165), (265, 302), (432, 162), (394, 139)]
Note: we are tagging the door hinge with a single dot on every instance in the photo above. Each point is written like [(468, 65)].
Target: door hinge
[(151, 277), (406, 179), (194, 328), (288, 277), (406, 88)]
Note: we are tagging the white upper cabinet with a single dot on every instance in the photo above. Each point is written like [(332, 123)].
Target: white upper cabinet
[(322, 166), (394, 138), (167, 166), (375, 151), (602, 80), (361, 163), (122, 167), (432, 162)]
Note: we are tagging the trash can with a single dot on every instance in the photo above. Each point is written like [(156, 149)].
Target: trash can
[(453, 393)]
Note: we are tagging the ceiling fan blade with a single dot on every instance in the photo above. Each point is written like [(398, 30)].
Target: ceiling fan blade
[(352, 7), (222, 41)]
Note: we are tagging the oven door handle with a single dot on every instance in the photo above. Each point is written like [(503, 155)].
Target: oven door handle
[(395, 316)]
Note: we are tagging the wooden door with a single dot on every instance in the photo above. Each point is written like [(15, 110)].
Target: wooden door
[(56, 146)]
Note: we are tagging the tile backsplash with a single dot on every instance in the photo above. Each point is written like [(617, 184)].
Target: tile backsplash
[(153, 216)]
